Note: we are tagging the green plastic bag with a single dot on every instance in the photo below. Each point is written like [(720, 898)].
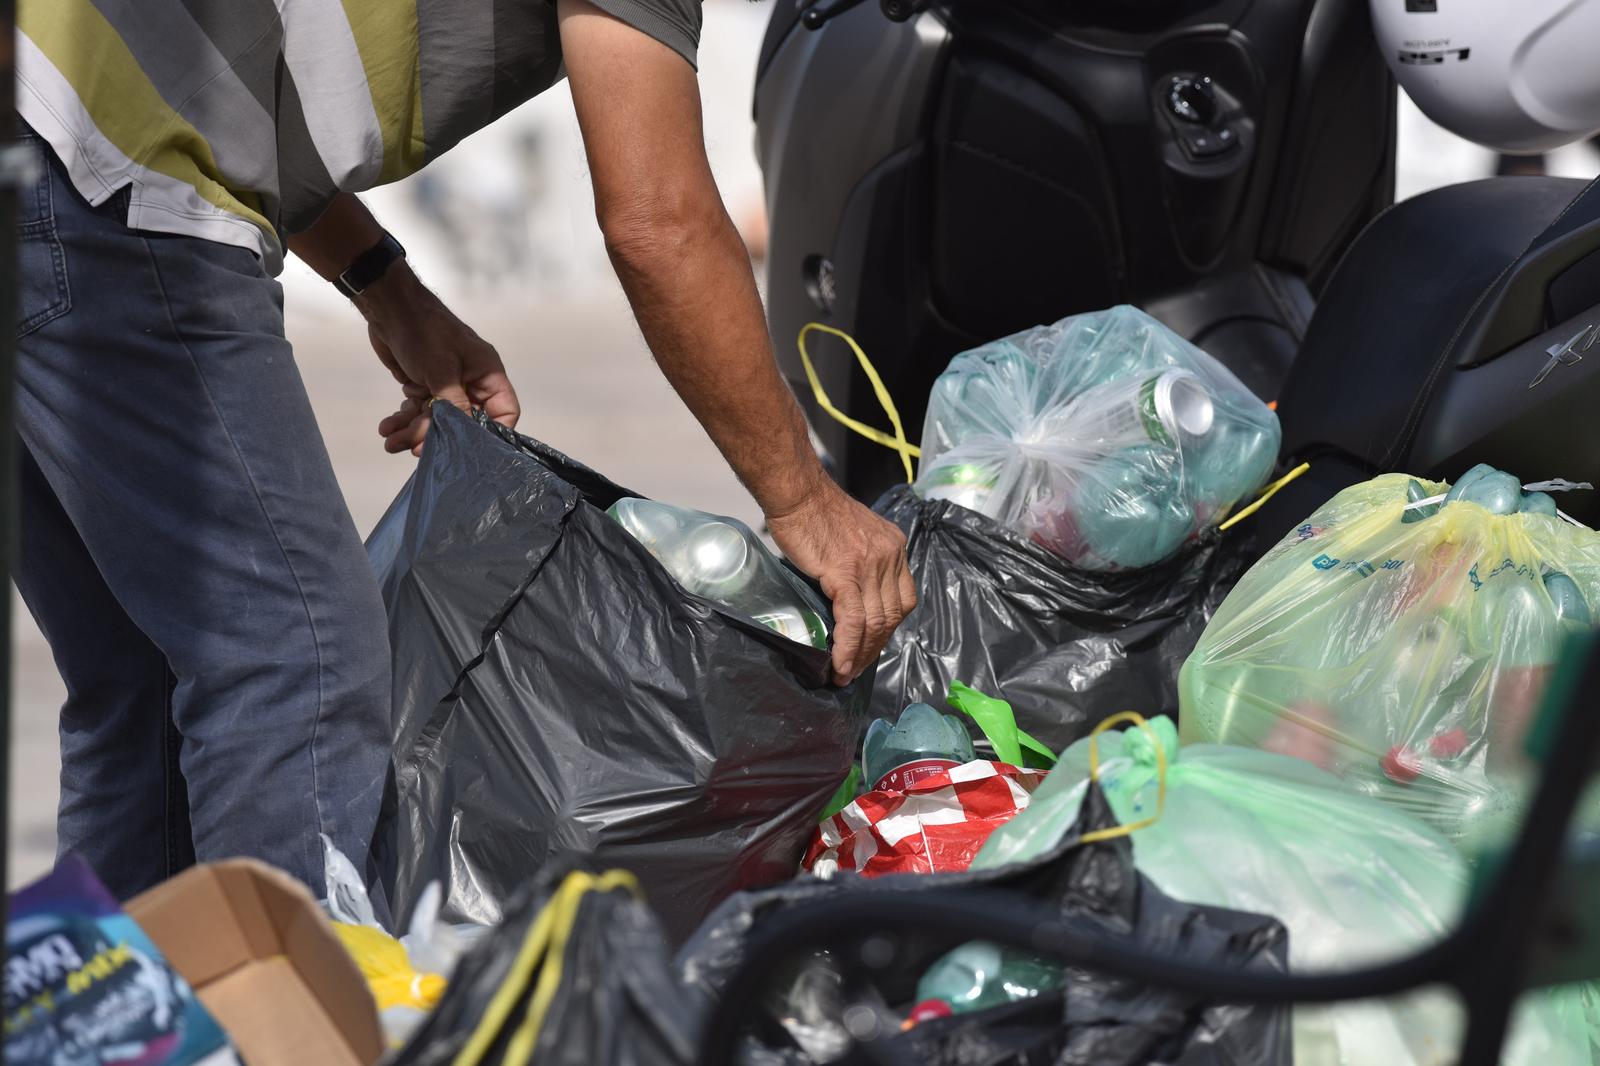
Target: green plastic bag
[(1404, 649), (998, 724), (1354, 881)]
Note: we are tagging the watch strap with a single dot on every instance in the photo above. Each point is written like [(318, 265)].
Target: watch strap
[(369, 266)]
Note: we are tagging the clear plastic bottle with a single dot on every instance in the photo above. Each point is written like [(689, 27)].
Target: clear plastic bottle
[(721, 559), (978, 975), (920, 744)]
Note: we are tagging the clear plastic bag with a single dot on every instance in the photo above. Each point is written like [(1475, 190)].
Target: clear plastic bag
[(1106, 438), (1402, 645), (1355, 882)]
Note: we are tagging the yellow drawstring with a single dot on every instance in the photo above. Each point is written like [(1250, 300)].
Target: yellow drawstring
[(1094, 774), (898, 442), (542, 952), (1266, 494)]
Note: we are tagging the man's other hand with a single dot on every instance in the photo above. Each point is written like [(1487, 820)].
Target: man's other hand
[(431, 353), (860, 561)]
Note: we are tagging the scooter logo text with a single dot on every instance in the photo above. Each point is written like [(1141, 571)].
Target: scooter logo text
[(1568, 354)]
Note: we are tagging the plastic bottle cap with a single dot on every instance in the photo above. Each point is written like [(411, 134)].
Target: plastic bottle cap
[(928, 1010), (1401, 765)]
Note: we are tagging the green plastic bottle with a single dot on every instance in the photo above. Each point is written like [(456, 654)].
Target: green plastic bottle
[(978, 975)]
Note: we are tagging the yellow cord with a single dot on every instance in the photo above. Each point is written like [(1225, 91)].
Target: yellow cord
[(565, 903), (1094, 775), (542, 952), (505, 998), (898, 442), (1266, 494)]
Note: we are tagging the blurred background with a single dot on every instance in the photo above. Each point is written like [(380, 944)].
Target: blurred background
[(503, 228)]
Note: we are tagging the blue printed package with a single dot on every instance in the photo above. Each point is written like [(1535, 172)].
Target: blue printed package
[(84, 986)]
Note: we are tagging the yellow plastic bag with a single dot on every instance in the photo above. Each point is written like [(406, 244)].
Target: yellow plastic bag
[(1403, 648), (388, 970)]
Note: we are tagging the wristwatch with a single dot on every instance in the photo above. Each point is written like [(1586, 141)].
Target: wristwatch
[(369, 266)]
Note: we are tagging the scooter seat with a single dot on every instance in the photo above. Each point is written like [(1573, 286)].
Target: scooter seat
[(1396, 307)]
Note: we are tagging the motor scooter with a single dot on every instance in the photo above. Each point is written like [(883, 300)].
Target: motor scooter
[(943, 173)]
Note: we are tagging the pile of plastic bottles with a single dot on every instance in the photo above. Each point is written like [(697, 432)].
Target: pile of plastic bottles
[(1106, 438), (723, 560)]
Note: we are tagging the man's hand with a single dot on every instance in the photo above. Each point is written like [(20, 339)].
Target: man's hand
[(430, 352), (428, 349), (860, 559)]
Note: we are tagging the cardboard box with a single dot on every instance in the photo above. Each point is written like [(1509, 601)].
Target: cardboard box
[(261, 955)]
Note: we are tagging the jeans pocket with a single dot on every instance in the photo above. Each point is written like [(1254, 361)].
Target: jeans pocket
[(42, 292)]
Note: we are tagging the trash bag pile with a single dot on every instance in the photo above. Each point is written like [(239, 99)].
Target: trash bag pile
[(595, 790), (1401, 638), (1061, 526), (1106, 438), (631, 821), (580, 972), (1355, 882)]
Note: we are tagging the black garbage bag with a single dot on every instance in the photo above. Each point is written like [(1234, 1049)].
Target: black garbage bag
[(579, 974), (1064, 646), (1093, 1020), (556, 691)]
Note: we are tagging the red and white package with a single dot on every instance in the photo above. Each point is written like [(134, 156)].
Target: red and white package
[(936, 824)]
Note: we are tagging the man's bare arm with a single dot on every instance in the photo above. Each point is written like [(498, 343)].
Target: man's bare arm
[(424, 345), (688, 277)]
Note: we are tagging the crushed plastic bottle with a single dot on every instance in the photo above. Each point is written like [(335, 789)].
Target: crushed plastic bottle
[(1494, 490), (978, 975), (922, 743), (721, 559), (1129, 511)]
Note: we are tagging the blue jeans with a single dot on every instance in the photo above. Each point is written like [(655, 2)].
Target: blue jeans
[(186, 551)]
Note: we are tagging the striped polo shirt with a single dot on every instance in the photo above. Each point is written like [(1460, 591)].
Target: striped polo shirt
[(239, 120)]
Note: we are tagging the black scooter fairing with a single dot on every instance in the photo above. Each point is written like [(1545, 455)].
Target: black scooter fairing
[(1462, 327)]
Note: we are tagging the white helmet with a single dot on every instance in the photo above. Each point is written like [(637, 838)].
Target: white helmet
[(1514, 75)]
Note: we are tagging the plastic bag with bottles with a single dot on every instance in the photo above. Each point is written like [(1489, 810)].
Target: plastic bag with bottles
[(1355, 882), (1105, 437), (1401, 638)]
